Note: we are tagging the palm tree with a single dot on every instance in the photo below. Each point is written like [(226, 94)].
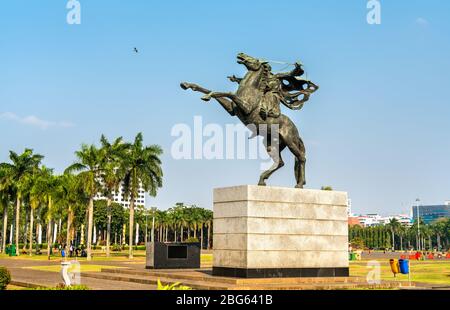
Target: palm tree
[(196, 219), (35, 193), (208, 218), (141, 167), (202, 215), (180, 219), (162, 222), (438, 228), (21, 168), (112, 156), (46, 189), (393, 226), (426, 232), (70, 194), (414, 231), (401, 230), (88, 161), (6, 193)]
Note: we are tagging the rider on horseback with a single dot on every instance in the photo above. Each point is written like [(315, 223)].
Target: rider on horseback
[(275, 91), (257, 102)]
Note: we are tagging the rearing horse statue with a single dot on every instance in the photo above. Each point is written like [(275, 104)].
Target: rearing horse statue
[(257, 89)]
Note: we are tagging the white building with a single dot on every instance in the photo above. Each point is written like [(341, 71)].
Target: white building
[(377, 220), (401, 218), (119, 197), (404, 219), (370, 220)]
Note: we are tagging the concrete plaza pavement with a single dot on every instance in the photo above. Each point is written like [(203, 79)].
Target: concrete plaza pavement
[(23, 276)]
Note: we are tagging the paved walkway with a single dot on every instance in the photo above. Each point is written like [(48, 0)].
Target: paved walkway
[(24, 276)]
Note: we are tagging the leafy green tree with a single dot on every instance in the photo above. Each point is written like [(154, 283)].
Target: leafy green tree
[(357, 243), (141, 166), (114, 215)]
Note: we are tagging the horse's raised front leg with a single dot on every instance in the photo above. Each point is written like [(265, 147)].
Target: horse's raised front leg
[(226, 104), (194, 87)]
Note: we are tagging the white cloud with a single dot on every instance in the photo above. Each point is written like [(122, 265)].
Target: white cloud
[(35, 121), (422, 22)]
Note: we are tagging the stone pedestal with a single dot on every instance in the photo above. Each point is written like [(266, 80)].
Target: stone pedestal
[(262, 232)]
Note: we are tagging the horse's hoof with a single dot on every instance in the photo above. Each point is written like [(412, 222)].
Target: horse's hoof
[(299, 186), (184, 86), (206, 98), (262, 184)]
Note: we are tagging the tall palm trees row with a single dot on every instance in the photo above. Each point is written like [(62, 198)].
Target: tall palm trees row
[(397, 236), (181, 223), (97, 170)]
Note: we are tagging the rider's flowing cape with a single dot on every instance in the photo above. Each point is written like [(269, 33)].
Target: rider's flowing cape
[(296, 91)]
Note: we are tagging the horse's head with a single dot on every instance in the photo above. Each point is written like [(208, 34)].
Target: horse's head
[(251, 63)]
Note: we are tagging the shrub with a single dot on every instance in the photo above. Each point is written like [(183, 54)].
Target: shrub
[(172, 287), (5, 278), (116, 248), (192, 240), (135, 247)]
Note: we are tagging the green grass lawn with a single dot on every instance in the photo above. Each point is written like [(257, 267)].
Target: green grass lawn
[(429, 271), (138, 256), (83, 268), (96, 256), (434, 272)]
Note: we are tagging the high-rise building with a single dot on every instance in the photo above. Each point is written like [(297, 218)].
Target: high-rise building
[(119, 197), (432, 212)]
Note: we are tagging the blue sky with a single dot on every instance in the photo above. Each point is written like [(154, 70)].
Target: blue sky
[(377, 128)]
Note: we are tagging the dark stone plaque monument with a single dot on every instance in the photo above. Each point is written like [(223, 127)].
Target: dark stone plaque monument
[(172, 255)]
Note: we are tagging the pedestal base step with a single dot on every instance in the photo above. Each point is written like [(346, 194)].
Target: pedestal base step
[(280, 272)]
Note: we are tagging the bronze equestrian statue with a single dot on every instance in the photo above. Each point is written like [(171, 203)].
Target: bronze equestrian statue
[(257, 103)]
